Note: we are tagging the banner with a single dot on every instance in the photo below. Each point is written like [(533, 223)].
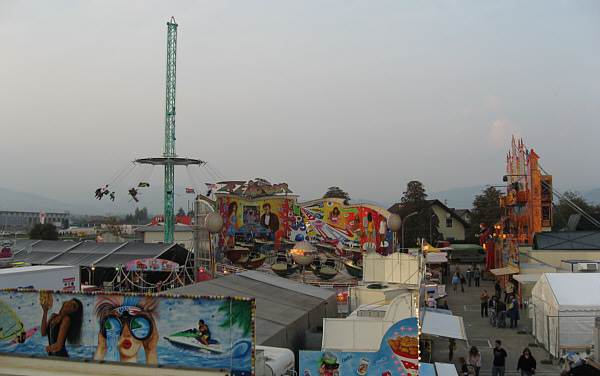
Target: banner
[(191, 331), (397, 355)]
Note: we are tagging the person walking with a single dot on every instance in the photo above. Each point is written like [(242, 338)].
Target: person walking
[(457, 268), (498, 290), (469, 275), (462, 282), (513, 312), (451, 348), (526, 363), (484, 298), (500, 355), (455, 281), (477, 275), (474, 359), (501, 314), (493, 308), (509, 288)]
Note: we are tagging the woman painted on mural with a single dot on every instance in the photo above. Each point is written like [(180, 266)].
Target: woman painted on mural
[(370, 228), (61, 327), (126, 324), (231, 224), (334, 216)]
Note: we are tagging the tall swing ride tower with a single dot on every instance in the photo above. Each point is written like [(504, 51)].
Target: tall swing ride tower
[(169, 159)]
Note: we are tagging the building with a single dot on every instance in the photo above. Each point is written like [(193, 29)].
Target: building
[(453, 224), (11, 221), (183, 235)]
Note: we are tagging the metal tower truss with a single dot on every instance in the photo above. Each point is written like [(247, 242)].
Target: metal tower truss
[(169, 158)]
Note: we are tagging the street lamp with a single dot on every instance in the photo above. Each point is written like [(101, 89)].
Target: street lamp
[(403, 221), (433, 216)]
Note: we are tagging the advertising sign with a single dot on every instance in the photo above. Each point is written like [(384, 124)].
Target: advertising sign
[(152, 265), (190, 331), (397, 355)]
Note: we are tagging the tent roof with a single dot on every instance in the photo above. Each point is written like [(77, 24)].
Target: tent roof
[(280, 303), (444, 325), (575, 291), (107, 255)]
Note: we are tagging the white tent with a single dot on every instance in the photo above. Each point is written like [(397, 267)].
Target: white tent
[(563, 309)]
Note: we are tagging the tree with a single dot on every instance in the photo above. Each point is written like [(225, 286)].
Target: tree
[(417, 227), (260, 182), (336, 192), (46, 231), (486, 209), (565, 208), (180, 212)]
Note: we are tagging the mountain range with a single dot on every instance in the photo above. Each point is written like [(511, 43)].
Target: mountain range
[(457, 198)]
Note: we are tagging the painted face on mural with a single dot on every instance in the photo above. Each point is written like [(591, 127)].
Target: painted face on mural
[(132, 327)]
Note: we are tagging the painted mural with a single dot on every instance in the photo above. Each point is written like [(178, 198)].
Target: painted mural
[(397, 355), (191, 331), (250, 213)]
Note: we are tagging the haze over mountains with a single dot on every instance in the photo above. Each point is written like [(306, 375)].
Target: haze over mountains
[(457, 198)]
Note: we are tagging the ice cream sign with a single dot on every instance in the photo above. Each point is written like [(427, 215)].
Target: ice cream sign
[(398, 354)]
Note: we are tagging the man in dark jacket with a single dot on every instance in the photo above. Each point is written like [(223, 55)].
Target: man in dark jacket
[(499, 359)]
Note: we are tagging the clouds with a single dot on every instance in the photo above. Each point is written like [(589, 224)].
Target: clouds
[(315, 94)]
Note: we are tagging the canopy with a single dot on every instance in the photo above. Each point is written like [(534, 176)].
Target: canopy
[(103, 255), (443, 325), (527, 278), (436, 258), (445, 369), (565, 306), (504, 271)]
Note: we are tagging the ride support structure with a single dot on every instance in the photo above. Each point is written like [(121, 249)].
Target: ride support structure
[(169, 159)]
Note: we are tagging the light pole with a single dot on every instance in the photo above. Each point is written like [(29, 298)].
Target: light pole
[(404, 221), (433, 216)]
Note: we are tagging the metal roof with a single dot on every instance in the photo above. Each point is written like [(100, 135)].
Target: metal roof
[(284, 309), (567, 240), (49, 252)]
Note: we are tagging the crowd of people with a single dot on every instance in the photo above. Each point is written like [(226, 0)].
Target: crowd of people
[(471, 365), (502, 309)]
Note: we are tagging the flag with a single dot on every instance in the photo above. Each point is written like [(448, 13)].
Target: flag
[(143, 184), (210, 186), (189, 190)]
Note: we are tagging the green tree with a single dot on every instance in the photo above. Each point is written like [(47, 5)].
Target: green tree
[(46, 231), (260, 182), (336, 192), (486, 209), (141, 216), (566, 207), (417, 227), (180, 212)]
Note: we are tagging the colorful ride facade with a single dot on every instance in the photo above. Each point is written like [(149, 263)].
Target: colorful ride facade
[(272, 213)]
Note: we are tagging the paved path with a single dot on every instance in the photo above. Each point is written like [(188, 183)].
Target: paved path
[(481, 334)]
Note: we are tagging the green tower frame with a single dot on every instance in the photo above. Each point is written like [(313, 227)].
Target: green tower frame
[(169, 159), (169, 152)]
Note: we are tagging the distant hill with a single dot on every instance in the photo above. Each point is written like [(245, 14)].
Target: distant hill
[(457, 198)]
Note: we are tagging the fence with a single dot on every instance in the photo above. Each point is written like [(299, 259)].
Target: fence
[(561, 333)]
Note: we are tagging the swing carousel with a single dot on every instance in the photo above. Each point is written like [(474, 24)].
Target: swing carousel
[(150, 275)]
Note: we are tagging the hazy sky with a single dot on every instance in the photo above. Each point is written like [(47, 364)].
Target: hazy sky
[(363, 95)]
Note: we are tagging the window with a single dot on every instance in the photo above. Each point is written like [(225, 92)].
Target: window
[(448, 222)]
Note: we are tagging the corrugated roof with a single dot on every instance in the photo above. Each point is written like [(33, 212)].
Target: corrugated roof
[(284, 309), (567, 240), (49, 252)]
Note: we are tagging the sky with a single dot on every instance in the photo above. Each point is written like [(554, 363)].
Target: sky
[(365, 96)]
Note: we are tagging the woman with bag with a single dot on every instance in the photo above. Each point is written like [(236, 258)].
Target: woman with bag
[(474, 359)]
